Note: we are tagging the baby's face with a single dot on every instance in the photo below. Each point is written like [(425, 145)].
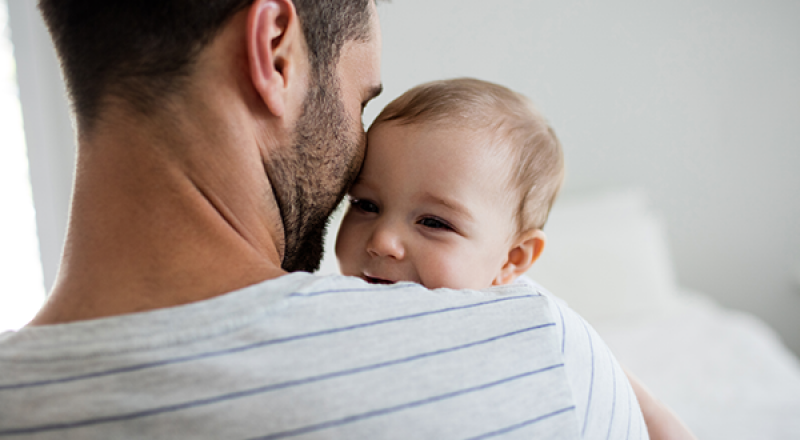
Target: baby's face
[(430, 206)]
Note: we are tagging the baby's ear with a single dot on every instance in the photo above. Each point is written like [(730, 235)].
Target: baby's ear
[(523, 253)]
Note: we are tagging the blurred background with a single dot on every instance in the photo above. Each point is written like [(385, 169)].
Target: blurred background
[(696, 102)]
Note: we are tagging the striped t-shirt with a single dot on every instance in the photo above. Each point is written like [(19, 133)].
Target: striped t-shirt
[(310, 357)]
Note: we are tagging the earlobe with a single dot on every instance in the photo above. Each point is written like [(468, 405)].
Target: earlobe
[(268, 23), (525, 251)]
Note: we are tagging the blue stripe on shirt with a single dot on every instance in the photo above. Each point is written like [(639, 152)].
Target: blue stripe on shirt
[(563, 327), (591, 380), (372, 288), (522, 424), (265, 389), (630, 415), (139, 367), (392, 409), (614, 398)]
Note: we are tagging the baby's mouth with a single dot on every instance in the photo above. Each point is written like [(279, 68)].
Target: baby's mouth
[(374, 280)]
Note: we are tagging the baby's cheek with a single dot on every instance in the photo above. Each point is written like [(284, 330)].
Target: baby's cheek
[(455, 273), (346, 243)]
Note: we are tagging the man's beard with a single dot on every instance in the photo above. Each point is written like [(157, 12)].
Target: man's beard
[(311, 179)]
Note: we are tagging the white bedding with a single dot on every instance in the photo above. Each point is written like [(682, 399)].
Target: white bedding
[(725, 373)]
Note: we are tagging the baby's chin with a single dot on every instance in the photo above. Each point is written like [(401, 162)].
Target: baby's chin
[(459, 284)]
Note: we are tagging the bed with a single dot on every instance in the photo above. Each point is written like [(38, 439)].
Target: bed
[(725, 372)]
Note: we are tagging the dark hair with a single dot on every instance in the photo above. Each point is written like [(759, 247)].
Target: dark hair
[(142, 50)]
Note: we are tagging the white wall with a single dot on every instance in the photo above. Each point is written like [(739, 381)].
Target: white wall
[(698, 101), (49, 134)]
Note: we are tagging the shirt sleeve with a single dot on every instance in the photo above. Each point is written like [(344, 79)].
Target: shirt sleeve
[(604, 400)]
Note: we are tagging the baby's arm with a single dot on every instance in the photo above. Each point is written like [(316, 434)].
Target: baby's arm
[(662, 423)]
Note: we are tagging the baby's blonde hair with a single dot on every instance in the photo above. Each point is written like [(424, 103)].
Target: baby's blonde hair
[(509, 118)]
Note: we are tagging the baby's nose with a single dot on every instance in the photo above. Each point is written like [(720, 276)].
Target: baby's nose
[(386, 241)]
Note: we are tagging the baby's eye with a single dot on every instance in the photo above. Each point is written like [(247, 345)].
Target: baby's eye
[(434, 223), (363, 205)]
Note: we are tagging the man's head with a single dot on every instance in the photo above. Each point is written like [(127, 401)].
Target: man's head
[(311, 178), (457, 184), (142, 52), (145, 55)]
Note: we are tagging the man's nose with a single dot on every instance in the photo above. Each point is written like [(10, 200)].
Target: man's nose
[(386, 241)]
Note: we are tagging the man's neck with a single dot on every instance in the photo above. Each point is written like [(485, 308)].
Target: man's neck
[(164, 216)]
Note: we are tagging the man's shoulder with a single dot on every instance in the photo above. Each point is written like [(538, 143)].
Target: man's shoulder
[(332, 283), (295, 298), (604, 401), (325, 354), (338, 291), (406, 301)]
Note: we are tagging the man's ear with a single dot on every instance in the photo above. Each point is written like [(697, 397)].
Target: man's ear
[(273, 50), (523, 253)]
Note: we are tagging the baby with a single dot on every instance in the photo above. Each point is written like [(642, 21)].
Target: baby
[(455, 189), (456, 186)]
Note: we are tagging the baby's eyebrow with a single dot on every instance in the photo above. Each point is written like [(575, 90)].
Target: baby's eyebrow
[(450, 204), (361, 182)]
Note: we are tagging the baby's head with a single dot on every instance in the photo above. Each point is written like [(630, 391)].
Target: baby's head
[(455, 189)]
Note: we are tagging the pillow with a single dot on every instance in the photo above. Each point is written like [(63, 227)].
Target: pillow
[(606, 256)]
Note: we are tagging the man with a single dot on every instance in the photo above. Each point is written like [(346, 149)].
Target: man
[(215, 138)]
